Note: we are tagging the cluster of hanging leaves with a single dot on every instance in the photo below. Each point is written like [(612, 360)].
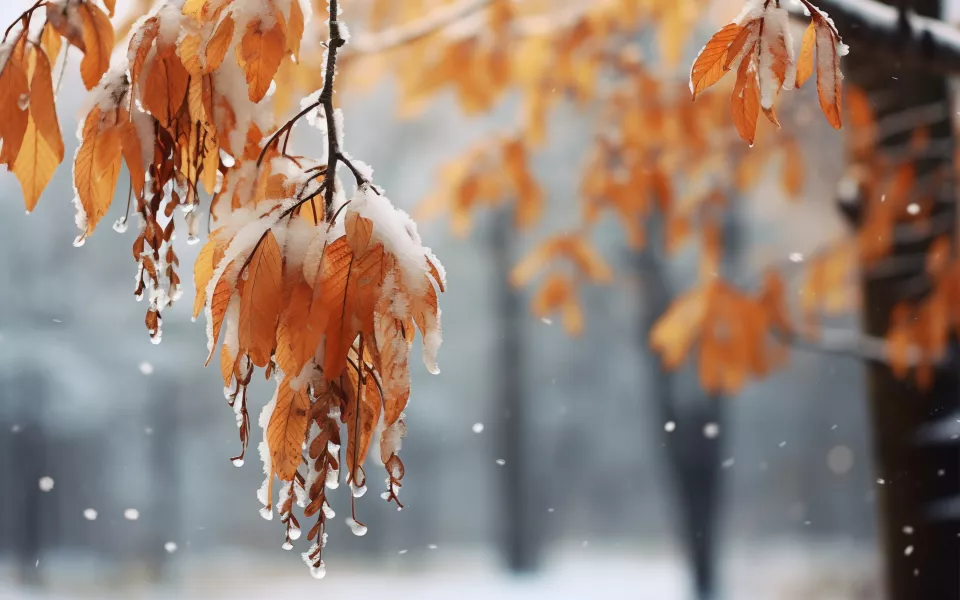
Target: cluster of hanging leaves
[(758, 44), (735, 333), (322, 292)]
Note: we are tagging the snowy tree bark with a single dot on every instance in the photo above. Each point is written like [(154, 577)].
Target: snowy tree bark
[(922, 554)]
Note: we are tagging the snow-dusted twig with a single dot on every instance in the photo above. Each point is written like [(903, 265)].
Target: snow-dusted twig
[(926, 42), (415, 30), (852, 344)]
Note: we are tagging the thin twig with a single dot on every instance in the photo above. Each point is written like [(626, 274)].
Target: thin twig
[(326, 100), (855, 345), (418, 29)]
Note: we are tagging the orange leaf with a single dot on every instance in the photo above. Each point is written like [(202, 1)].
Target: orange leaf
[(132, 151), (138, 53), (287, 430), (41, 151), (299, 330), (260, 301), (43, 106), (202, 273), (710, 67), (346, 296), (394, 352), (260, 53), (14, 119), (51, 41), (96, 168), (676, 330), (359, 231), (745, 102), (805, 59), (828, 73), (222, 293), (295, 25), (747, 38), (165, 88), (792, 169), (219, 44), (97, 42), (189, 50), (361, 414)]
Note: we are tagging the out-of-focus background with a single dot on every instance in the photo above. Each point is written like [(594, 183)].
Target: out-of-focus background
[(538, 465)]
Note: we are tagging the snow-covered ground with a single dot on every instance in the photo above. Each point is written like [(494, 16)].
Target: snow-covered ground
[(827, 572)]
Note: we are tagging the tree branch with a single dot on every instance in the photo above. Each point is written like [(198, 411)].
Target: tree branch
[(923, 41), (851, 344), (326, 100), (415, 30)]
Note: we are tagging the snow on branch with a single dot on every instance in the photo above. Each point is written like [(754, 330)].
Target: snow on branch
[(414, 30), (852, 344), (927, 42)]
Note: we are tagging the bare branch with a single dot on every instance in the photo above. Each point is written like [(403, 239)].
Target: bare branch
[(326, 100)]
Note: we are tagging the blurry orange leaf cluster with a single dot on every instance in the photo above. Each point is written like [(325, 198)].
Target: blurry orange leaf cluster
[(487, 175), (919, 334), (732, 330)]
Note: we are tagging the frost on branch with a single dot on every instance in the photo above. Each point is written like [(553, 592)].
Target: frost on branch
[(323, 288), (758, 44)]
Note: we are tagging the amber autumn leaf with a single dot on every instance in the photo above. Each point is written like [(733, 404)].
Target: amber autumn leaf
[(97, 168), (745, 101), (97, 42), (711, 64), (287, 428), (202, 273), (261, 284), (42, 149), (829, 88), (260, 53), (13, 116), (219, 44), (361, 414), (805, 59)]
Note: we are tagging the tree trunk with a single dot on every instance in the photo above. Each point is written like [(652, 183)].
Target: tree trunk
[(692, 459), (518, 537), (922, 555)]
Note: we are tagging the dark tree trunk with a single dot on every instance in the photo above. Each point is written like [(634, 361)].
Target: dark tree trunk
[(912, 475), (518, 535), (692, 459)]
